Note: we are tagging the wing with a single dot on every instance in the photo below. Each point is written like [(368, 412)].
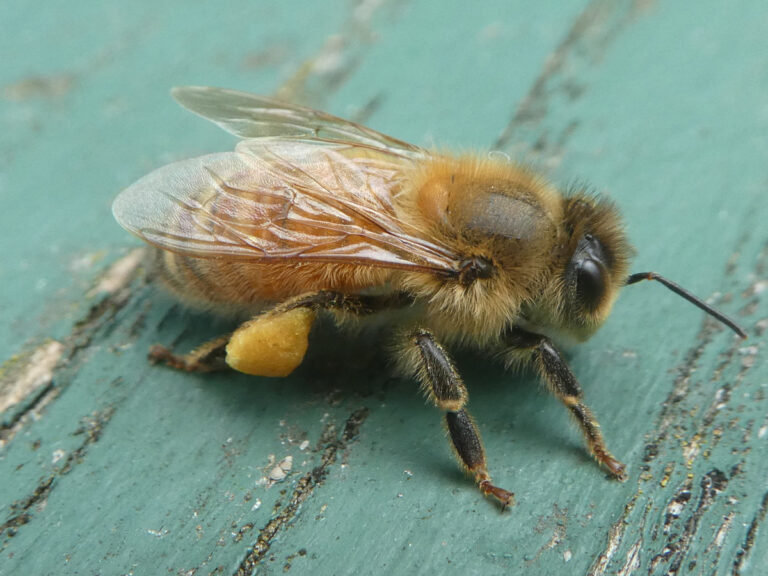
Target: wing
[(288, 199), (250, 116)]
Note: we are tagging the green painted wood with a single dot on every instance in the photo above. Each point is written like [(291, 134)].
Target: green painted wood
[(111, 466)]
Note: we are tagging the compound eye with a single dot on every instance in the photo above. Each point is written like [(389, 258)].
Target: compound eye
[(590, 283)]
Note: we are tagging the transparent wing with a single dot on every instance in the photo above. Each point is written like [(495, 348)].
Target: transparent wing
[(251, 116), (287, 199)]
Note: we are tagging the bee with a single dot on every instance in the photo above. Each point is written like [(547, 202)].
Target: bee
[(313, 214)]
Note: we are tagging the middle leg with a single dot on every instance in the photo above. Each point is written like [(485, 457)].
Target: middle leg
[(444, 388)]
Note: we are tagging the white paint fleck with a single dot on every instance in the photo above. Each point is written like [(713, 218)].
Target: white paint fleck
[(331, 57), (722, 531), (85, 262), (763, 429), (304, 445), (256, 505), (691, 450), (279, 472), (364, 11), (749, 355), (58, 455), (721, 399), (567, 555), (675, 508)]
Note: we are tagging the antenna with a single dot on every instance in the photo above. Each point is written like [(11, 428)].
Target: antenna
[(680, 291)]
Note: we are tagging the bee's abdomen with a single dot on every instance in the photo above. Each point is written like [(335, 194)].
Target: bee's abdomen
[(212, 282)]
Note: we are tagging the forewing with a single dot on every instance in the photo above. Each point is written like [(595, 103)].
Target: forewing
[(281, 199), (251, 116)]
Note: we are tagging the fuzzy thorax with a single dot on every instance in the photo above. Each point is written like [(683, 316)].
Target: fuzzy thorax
[(535, 241), (482, 208)]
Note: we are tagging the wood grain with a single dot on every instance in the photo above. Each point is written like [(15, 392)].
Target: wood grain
[(112, 466)]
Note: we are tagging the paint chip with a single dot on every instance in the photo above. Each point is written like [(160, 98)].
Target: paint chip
[(280, 472), (119, 273), (31, 374)]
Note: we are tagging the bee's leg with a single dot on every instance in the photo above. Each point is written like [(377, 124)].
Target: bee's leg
[(206, 358), (444, 388), (561, 382), (255, 346)]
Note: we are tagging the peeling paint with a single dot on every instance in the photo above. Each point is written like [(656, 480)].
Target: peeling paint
[(119, 274), (29, 375)]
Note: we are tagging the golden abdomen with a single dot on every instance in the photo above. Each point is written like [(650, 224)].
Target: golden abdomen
[(224, 282)]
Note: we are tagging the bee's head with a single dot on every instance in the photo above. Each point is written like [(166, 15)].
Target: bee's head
[(593, 264)]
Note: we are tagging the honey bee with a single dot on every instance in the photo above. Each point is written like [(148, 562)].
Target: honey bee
[(312, 213)]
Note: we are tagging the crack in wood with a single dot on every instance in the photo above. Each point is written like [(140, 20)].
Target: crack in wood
[(35, 404), (304, 488), (557, 522), (27, 386), (584, 46), (742, 555), (720, 534), (677, 547), (22, 511), (323, 74), (713, 482), (98, 320), (615, 537), (24, 374)]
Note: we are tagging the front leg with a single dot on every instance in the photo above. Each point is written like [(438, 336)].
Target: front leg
[(444, 388), (560, 381)]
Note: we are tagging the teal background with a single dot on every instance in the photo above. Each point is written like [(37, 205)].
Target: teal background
[(111, 466)]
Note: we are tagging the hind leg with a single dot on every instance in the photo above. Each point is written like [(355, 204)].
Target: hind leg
[(274, 342), (208, 357)]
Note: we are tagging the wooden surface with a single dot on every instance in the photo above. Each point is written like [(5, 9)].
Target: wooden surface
[(111, 466)]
